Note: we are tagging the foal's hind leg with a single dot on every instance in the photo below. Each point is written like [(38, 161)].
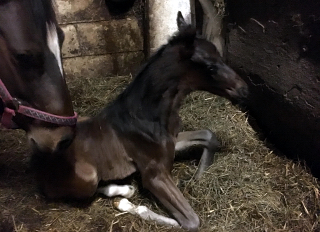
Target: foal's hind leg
[(204, 138), (113, 190)]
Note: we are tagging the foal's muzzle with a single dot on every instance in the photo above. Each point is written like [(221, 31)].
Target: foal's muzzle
[(241, 96), (243, 92), (239, 92)]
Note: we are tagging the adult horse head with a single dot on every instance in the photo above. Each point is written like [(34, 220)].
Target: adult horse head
[(33, 90)]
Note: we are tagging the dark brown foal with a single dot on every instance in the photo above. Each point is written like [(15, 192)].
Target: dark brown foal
[(139, 131)]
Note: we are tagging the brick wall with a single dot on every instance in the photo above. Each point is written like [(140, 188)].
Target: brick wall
[(98, 44)]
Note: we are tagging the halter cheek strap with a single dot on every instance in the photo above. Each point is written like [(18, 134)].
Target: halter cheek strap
[(13, 106), (6, 119)]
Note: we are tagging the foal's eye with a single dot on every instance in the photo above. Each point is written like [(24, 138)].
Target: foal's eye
[(213, 68)]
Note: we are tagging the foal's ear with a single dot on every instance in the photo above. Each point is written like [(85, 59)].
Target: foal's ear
[(181, 22), (185, 37)]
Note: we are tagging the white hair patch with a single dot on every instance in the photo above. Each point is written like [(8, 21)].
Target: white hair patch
[(53, 43), (117, 190), (143, 212)]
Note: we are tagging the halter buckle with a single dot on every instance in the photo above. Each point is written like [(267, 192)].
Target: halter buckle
[(13, 104)]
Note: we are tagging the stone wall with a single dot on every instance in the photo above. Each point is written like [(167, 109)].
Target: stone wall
[(98, 44)]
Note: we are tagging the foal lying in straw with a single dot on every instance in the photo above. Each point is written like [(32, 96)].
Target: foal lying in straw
[(139, 131)]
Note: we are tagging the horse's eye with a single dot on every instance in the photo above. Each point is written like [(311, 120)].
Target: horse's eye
[(28, 61)]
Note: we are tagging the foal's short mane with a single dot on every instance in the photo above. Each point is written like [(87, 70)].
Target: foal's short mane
[(141, 109), (185, 37), (151, 60)]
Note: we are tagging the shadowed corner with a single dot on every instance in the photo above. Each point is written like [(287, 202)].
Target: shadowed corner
[(117, 7)]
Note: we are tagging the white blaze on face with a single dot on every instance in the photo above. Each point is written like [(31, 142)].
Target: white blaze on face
[(53, 43)]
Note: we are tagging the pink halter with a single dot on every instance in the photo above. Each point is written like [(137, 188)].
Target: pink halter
[(16, 107)]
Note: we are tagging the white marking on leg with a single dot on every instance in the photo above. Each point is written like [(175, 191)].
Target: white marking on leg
[(113, 190), (126, 206), (53, 43)]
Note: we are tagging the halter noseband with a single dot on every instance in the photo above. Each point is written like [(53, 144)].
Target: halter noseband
[(13, 106)]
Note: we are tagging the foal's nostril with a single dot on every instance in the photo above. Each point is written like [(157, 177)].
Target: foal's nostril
[(243, 92)]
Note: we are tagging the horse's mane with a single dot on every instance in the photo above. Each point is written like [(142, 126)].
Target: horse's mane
[(127, 114), (120, 111), (151, 60), (186, 36)]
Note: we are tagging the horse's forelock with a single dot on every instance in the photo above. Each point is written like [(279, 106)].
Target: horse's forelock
[(43, 14)]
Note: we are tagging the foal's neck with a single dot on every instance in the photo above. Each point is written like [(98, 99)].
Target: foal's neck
[(150, 104)]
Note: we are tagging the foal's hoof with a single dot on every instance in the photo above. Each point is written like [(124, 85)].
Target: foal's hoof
[(116, 202), (122, 204), (129, 191)]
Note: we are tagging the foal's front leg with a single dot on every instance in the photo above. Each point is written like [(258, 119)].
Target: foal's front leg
[(159, 182), (203, 138), (124, 205)]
